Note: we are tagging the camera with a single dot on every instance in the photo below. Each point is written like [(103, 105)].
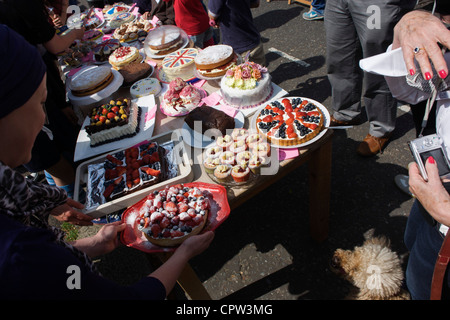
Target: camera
[(430, 146)]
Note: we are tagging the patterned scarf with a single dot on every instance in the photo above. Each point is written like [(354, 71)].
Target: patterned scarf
[(30, 203)]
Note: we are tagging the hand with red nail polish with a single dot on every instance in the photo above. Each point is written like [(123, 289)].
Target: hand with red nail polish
[(421, 29), (431, 194)]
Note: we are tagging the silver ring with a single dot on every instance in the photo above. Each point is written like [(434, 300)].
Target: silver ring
[(417, 50)]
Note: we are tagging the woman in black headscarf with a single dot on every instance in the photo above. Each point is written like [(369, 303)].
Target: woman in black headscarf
[(54, 155), (35, 260)]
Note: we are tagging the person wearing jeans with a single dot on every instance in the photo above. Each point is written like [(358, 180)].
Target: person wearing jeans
[(316, 10)]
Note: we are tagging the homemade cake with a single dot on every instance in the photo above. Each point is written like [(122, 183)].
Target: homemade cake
[(90, 81), (131, 31), (121, 18), (113, 121), (92, 35), (126, 171), (214, 61), (145, 87), (170, 216), (164, 40), (103, 50), (181, 98), (180, 64), (246, 85), (134, 72), (231, 160), (290, 121), (124, 56), (206, 118)]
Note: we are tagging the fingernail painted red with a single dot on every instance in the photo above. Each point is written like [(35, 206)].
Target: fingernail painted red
[(443, 74), (431, 160), (412, 72), (427, 75)]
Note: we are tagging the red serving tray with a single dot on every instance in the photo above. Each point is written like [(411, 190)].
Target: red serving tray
[(220, 210)]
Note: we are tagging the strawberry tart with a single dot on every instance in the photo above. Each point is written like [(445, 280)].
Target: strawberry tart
[(290, 121), (170, 216)]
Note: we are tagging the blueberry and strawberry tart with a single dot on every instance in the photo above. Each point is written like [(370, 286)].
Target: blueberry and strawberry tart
[(171, 215), (290, 121), (112, 121)]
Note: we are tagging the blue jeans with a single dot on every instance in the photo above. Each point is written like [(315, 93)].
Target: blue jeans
[(201, 38), (424, 241), (318, 6)]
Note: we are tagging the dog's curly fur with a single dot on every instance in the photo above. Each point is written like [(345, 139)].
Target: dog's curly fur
[(374, 270)]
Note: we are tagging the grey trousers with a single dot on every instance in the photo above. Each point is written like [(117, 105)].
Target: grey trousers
[(357, 29)]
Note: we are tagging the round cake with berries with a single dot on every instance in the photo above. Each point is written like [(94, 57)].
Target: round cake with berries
[(171, 215), (290, 121)]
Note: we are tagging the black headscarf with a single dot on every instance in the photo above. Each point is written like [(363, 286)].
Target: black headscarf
[(21, 72)]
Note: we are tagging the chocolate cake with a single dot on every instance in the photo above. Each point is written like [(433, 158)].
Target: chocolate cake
[(135, 71), (210, 118)]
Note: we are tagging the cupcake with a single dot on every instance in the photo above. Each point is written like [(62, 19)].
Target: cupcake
[(261, 149), (239, 134), (227, 157), (243, 157), (211, 164), (213, 152), (255, 164), (224, 141), (238, 146), (254, 138), (240, 173), (223, 172)]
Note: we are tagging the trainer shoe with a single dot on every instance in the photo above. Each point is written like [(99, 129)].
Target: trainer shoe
[(312, 15)]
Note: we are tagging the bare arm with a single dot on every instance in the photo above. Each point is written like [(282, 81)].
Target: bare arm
[(60, 43)]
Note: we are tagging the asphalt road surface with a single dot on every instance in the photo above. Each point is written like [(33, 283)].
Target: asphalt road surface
[(263, 251)]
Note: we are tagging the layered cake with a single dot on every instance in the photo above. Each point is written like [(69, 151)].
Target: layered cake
[(181, 98), (164, 40), (126, 171), (91, 81), (121, 18), (131, 31), (214, 61), (170, 216), (103, 50), (246, 85), (180, 64), (145, 87), (124, 56), (113, 121), (203, 119), (290, 121)]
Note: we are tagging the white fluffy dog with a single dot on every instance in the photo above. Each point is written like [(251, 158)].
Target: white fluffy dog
[(374, 270)]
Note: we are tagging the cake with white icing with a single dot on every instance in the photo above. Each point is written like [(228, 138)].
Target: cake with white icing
[(124, 56), (180, 64), (145, 87), (246, 85), (113, 121), (121, 18)]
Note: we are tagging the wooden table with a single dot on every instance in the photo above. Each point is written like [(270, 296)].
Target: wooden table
[(316, 155)]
